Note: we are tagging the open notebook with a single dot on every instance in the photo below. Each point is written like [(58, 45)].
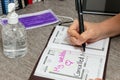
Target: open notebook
[(62, 61)]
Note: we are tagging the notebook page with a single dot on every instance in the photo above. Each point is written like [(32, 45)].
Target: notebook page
[(69, 65), (62, 63), (60, 39)]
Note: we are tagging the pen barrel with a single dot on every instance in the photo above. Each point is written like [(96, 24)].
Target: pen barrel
[(81, 23), (80, 19)]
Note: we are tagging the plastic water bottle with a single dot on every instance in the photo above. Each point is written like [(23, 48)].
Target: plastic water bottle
[(14, 35)]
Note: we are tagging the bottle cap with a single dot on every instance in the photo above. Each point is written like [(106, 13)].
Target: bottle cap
[(12, 15)]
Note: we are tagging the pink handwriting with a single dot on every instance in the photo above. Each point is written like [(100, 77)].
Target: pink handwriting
[(68, 63), (58, 68), (62, 63), (61, 56)]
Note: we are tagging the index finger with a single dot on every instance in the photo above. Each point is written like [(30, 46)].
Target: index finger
[(73, 29), (75, 25)]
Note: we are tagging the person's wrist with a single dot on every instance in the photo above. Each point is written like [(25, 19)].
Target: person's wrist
[(104, 30)]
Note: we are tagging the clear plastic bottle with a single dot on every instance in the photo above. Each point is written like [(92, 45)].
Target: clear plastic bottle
[(14, 35)]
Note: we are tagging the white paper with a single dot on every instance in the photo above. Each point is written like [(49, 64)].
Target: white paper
[(61, 61)]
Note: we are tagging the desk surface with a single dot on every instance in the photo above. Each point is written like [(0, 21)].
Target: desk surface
[(21, 68)]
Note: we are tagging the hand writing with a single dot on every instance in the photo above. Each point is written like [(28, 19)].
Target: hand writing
[(93, 32)]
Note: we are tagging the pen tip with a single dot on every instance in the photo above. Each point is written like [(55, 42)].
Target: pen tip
[(83, 49)]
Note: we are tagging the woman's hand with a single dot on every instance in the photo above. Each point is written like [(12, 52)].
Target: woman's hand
[(92, 33)]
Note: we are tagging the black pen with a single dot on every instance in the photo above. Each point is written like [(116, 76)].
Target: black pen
[(78, 5)]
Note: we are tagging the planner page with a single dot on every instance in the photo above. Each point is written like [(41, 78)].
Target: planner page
[(62, 61), (60, 39)]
